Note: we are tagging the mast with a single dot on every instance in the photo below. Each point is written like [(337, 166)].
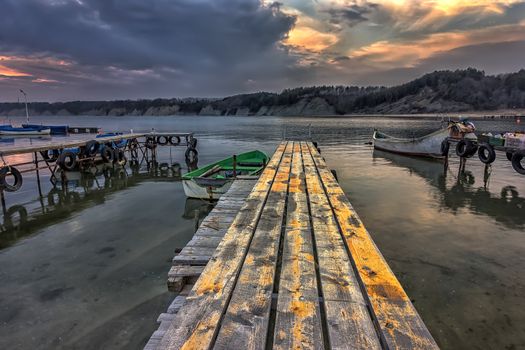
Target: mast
[(27, 111)]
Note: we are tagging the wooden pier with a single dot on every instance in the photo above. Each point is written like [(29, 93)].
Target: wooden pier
[(296, 269), (72, 154)]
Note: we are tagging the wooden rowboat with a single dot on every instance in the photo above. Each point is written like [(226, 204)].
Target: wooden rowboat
[(213, 180), (430, 145)]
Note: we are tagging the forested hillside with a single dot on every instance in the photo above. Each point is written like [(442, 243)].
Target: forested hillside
[(437, 92)]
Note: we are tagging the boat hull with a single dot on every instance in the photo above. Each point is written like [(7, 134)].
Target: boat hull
[(426, 146), (194, 190), (25, 132), (54, 129)]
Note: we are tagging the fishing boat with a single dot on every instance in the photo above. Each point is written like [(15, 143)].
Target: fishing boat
[(213, 180), (55, 129), (426, 146), (11, 130)]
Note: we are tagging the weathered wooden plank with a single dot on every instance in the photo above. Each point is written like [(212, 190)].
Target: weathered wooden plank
[(204, 241), (180, 275), (197, 322), (184, 270), (298, 318), (400, 325), (176, 304), (245, 323), (348, 322), (200, 260)]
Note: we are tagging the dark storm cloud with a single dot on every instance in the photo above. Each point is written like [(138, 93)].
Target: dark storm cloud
[(352, 14), (192, 40)]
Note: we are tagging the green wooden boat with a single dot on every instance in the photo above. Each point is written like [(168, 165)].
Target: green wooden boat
[(211, 181)]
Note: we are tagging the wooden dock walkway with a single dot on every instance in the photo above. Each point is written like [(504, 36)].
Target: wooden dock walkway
[(71, 142), (296, 269), (189, 263)]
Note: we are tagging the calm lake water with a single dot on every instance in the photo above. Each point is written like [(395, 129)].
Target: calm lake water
[(87, 269)]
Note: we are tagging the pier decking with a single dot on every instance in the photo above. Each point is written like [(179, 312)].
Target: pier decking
[(72, 142), (296, 269)]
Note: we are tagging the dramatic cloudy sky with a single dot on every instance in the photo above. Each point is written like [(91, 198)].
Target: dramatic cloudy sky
[(107, 49)]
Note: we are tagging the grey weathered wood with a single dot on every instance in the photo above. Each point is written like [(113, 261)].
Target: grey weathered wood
[(197, 322), (349, 324), (245, 322), (298, 318), (400, 325)]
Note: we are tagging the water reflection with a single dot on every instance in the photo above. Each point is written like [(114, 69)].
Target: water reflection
[(460, 190), (80, 191)]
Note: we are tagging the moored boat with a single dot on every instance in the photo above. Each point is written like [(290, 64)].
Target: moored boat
[(55, 129), (213, 180), (426, 146), (10, 130)]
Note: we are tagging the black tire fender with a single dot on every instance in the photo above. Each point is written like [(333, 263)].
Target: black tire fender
[(465, 148), (509, 155), (174, 140), (17, 177), (91, 148), (51, 155), (486, 153), (108, 154), (67, 160), (162, 140), (517, 158)]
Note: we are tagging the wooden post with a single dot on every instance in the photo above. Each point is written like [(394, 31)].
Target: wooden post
[(38, 175), (234, 165), (2, 199)]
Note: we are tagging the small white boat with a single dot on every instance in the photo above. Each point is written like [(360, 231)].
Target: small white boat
[(427, 146), (10, 130), (430, 145)]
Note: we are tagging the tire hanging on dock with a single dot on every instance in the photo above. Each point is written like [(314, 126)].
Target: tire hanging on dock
[(174, 140), (6, 172), (162, 140), (517, 158), (486, 153), (67, 161), (51, 155), (107, 154), (465, 149), (91, 148)]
